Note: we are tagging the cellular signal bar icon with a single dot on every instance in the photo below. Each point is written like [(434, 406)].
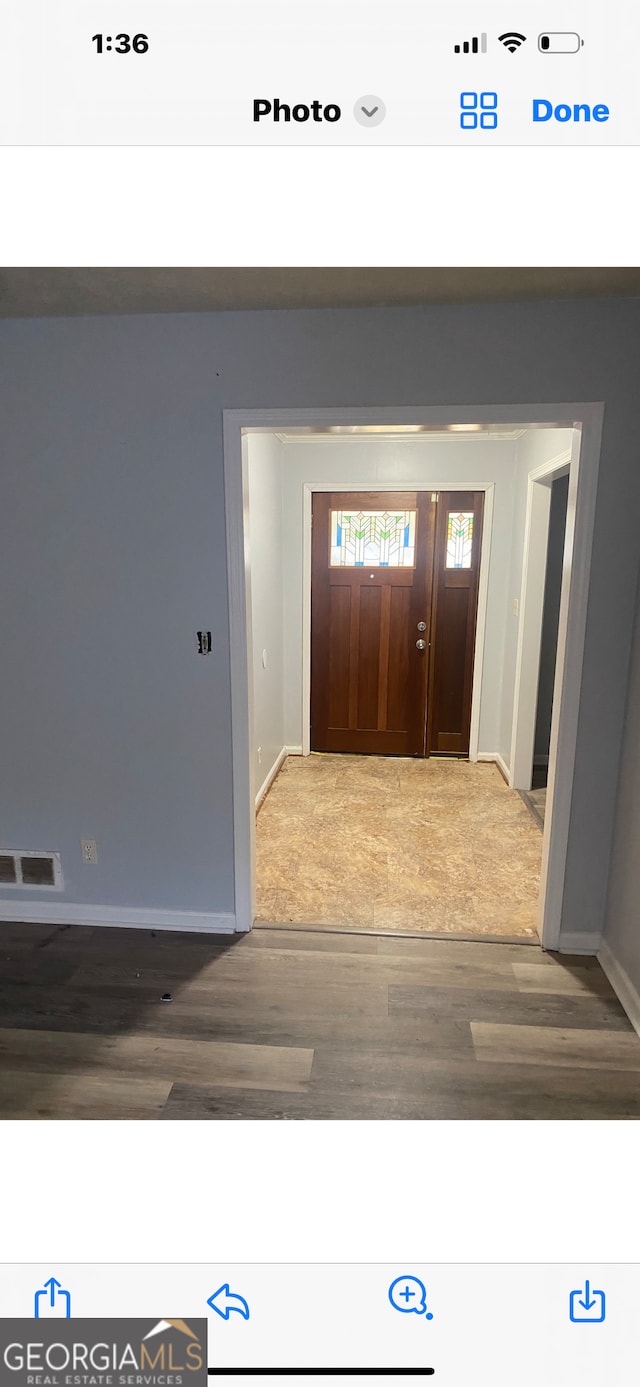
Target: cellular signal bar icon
[(474, 45)]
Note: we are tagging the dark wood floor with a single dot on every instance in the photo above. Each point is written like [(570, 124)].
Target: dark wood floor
[(287, 1024)]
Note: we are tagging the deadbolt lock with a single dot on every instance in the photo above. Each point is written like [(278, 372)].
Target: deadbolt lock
[(422, 625), (421, 645)]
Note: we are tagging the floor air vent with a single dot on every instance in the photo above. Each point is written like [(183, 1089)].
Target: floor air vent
[(30, 869), (8, 868)]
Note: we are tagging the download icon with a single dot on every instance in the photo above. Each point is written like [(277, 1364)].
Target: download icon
[(587, 1306)]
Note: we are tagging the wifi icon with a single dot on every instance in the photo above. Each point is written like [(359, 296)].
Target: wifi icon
[(512, 41)]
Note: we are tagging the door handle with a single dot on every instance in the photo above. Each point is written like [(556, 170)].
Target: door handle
[(421, 645)]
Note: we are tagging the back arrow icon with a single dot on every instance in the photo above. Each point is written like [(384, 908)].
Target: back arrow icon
[(224, 1301)]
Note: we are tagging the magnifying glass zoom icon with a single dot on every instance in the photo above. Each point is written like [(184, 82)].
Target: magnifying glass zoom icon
[(408, 1294)]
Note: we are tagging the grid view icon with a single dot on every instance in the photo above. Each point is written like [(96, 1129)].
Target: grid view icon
[(478, 110)]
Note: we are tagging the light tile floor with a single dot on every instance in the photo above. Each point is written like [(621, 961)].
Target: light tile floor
[(387, 843)]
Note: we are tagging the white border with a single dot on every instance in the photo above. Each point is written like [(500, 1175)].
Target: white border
[(483, 588), (572, 617)]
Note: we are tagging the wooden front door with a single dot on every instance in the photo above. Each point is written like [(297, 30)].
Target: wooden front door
[(394, 585), (371, 582)]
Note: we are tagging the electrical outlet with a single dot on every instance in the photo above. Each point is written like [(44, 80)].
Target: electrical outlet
[(89, 850), (259, 755)]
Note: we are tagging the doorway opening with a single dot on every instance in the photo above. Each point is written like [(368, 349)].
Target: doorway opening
[(276, 486)]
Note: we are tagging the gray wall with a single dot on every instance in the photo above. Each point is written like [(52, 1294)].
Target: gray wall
[(112, 555), (551, 615), (622, 928)]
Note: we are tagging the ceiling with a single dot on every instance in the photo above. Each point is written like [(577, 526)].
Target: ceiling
[(28, 293)]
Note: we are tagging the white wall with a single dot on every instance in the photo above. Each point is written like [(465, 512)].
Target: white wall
[(264, 541), (113, 555), (534, 448), (414, 464), (551, 613)]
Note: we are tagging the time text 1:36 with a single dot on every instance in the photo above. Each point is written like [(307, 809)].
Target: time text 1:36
[(121, 43)]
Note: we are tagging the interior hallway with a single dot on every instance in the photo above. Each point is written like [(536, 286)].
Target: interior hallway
[(300, 1024), (386, 843)]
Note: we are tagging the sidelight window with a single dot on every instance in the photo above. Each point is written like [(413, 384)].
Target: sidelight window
[(459, 539)]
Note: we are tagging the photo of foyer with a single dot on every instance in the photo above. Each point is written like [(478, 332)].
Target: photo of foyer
[(320, 698)]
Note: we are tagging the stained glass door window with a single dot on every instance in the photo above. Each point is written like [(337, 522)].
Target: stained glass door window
[(383, 539), (459, 539)]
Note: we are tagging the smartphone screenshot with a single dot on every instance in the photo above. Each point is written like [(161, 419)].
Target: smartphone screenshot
[(320, 693)]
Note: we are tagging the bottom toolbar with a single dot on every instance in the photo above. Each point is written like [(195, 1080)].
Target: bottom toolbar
[(107, 1326)]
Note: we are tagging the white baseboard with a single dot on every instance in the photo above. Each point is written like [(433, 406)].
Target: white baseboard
[(57, 913), (625, 990), (575, 942), (499, 761), (271, 775)]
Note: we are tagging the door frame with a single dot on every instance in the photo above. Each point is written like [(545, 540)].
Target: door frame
[(585, 416), (483, 588), (534, 572), (534, 568)]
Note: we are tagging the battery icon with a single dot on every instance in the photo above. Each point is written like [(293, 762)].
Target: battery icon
[(560, 43)]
